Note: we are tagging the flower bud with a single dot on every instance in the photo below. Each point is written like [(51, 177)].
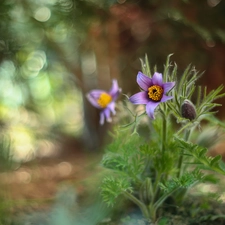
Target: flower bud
[(188, 110)]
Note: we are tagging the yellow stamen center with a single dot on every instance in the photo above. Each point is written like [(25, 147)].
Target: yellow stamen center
[(104, 100), (155, 93)]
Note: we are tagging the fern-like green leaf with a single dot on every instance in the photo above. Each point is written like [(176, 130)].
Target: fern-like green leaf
[(199, 155), (187, 180), (112, 187)]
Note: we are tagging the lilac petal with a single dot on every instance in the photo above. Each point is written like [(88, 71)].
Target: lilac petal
[(96, 93), (111, 107), (139, 98), (106, 113), (168, 86), (166, 98), (102, 118), (109, 119), (157, 79), (93, 97), (144, 81), (115, 90), (150, 108)]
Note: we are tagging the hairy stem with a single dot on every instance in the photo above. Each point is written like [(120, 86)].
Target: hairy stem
[(180, 162), (164, 129), (164, 134), (140, 204)]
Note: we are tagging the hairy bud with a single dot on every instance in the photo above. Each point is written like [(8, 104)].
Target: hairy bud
[(188, 110)]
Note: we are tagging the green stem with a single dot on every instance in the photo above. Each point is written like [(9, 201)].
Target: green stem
[(184, 128), (156, 185), (152, 211), (158, 203), (140, 204), (164, 134), (180, 162), (159, 177), (149, 212), (164, 129)]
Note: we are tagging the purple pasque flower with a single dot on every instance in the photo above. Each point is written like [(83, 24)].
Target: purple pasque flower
[(154, 92), (105, 101)]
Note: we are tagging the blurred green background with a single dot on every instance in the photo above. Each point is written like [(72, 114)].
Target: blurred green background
[(52, 52)]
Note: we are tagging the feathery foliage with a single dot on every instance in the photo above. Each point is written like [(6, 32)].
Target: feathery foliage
[(165, 164)]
